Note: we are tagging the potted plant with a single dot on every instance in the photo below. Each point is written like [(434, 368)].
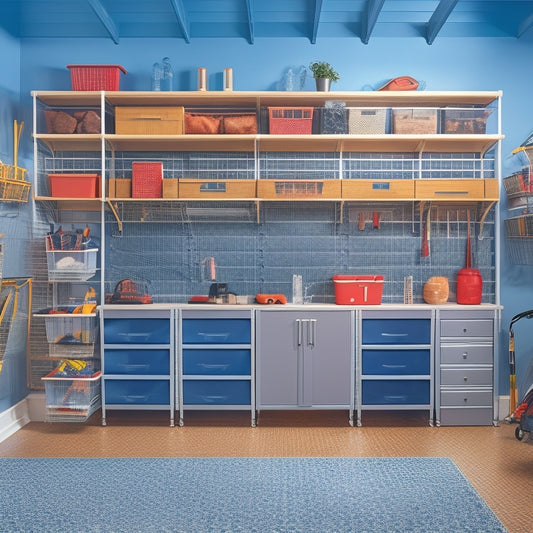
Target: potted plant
[(324, 75)]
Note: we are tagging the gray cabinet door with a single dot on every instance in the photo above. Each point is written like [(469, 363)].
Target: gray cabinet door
[(304, 359)]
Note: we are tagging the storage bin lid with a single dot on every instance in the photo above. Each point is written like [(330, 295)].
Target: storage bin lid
[(342, 278)]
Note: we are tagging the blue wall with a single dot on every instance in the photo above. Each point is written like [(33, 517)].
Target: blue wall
[(15, 222), (448, 64)]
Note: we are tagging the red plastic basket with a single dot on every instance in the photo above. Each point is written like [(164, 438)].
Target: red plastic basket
[(95, 77), (147, 180), (290, 120)]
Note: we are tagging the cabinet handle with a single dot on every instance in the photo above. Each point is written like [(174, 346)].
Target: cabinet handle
[(394, 334), (394, 366), (311, 333), (299, 326), (465, 379), (465, 355)]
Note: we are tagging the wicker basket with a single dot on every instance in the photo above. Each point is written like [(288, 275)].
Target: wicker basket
[(367, 121), (95, 77), (517, 182)]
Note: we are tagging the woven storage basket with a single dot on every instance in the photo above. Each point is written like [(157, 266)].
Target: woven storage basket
[(436, 290), (367, 121), (290, 120)]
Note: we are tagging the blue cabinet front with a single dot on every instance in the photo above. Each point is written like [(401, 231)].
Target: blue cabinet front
[(216, 392), (217, 362), (396, 362), (136, 331), (396, 392), (137, 362), (396, 331), (137, 392), (216, 331)]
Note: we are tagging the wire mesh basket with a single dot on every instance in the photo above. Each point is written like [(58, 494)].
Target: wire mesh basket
[(1, 256), (71, 399), (13, 186)]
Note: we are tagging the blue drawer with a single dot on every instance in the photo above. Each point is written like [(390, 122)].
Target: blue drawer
[(217, 362), (216, 392), (216, 331), (395, 392), (137, 392), (396, 362), (137, 362), (396, 331), (136, 331)]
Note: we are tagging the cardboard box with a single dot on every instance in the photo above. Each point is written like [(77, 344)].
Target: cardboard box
[(196, 188), (149, 120), (119, 188), (170, 188), (378, 189)]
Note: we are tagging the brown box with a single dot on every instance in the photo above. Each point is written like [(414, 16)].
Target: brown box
[(149, 120), (119, 188), (378, 189), (170, 188), (196, 188), (492, 189), (450, 189), (414, 121), (290, 189)]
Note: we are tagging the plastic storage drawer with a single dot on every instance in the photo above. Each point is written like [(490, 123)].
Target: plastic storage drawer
[(137, 392), (217, 362), (136, 331), (466, 376), (216, 331), (396, 392), (466, 354), (396, 331), (396, 362), (466, 328), (216, 392), (143, 362)]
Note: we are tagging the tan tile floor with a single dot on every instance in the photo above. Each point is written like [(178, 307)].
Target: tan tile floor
[(498, 465)]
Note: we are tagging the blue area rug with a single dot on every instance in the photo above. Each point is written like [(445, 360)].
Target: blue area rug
[(252, 495)]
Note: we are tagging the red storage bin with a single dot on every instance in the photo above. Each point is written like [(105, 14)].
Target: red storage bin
[(290, 120), (95, 77), (358, 290), (147, 180), (74, 185)]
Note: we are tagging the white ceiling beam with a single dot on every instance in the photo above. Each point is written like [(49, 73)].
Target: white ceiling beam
[(183, 21), (372, 10), (439, 17), (251, 29), (525, 25), (316, 20), (105, 19)]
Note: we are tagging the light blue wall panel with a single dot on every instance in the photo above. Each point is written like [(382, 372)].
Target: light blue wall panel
[(448, 64)]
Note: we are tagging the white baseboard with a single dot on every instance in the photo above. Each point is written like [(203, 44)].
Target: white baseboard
[(12, 419)]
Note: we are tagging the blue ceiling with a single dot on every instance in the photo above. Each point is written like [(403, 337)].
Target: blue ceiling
[(267, 19)]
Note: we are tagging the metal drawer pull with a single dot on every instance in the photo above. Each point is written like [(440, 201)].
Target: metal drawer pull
[(299, 326), (394, 334), (394, 366), (214, 366), (465, 378), (465, 355), (312, 332), (465, 400), (396, 397)]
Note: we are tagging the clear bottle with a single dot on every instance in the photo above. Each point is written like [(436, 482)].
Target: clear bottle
[(166, 75), (156, 77)]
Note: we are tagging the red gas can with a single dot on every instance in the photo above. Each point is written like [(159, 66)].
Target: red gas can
[(469, 286)]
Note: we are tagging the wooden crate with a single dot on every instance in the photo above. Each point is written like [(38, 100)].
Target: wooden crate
[(170, 188), (450, 189), (223, 189), (119, 188), (305, 189), (378, 189), (149, 120)]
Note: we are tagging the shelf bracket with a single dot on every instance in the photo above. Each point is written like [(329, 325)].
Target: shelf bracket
[(115, 214), (482, 220)]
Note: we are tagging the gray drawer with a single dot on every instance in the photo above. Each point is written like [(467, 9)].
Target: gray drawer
[(466, 376), (467, 398), (456, 416), (466, 328), (466, 354)]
